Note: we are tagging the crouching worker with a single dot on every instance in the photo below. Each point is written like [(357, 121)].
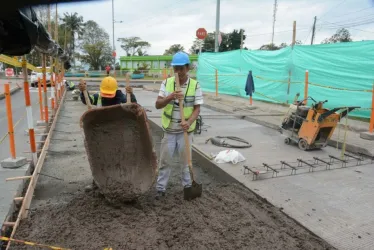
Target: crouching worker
[(109, 93), (173, 143), (69, 85)]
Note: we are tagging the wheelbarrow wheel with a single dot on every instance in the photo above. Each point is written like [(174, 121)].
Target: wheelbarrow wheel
[(287, 141), (303, 144)]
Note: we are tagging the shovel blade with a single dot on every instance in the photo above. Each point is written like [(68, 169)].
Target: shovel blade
[(193, 192)]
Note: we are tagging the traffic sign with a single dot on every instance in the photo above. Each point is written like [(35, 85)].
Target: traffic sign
[(201, 33), (114, 54), (9, 72)]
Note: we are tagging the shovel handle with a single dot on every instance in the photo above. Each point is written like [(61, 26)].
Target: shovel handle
[(128, 95), (87, 99), (186, 138)]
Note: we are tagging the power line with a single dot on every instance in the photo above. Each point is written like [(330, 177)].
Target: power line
[(340, 3), (349, 13)]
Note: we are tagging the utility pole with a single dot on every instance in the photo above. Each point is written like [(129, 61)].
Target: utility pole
[(216, 47), (314, 30), (50, 29), (274, 17), (294, 34), (114, 46), (241, 39)]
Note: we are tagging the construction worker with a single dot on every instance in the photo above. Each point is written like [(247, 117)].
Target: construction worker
[(107, 68), (173, 143), (70, 85), (109, 93)]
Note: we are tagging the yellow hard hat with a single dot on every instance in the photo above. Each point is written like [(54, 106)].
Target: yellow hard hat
[(108, 87)]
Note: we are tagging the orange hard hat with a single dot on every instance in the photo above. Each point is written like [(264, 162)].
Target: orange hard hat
[(108, 87)]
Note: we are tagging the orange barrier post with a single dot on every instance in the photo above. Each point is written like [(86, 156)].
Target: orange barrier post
[(216, 83), (52, 94), (371, 127), (306, 87), (10, 120), (40, 99), (30, 122), (45, 90)]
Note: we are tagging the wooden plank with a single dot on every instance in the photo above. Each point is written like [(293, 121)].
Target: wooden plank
[(18, 199), (9, 224), (18, 178)]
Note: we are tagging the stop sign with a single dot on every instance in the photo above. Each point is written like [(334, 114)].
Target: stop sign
[(9, 72), (201, 33)]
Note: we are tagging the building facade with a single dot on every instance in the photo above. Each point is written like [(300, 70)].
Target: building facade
[(155, 63)]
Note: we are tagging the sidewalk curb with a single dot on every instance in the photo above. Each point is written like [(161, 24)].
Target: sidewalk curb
[(12, 91)]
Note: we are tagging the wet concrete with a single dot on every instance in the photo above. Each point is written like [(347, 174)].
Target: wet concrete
[(227, 216)]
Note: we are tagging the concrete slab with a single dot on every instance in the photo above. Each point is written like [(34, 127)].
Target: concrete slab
[(367, 136), (329, 203), (14, 163)]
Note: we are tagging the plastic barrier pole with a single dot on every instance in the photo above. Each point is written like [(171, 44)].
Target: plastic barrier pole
[(40, 99), (10, 120), (216, 83), (45, 90), (52, 93), (371, 128), (30, 122), (306, 87)]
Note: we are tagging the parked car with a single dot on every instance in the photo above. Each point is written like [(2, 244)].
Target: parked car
[(35, 75)]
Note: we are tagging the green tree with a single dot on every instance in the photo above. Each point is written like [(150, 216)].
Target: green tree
[(341, 36), (230, 41), (272, 46), (74, 25), (134, 46), (95, 46), (234, 39), (174, 49)]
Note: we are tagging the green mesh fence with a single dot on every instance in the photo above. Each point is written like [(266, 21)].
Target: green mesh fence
[(341, 73)]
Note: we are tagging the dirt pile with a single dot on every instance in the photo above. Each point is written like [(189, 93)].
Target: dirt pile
[(226, 217)]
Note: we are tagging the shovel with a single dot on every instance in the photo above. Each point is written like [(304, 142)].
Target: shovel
[(196, 189)]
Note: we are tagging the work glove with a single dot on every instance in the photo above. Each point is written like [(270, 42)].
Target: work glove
[(129, 90)]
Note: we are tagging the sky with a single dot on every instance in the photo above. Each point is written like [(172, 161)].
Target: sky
[(166, 22)]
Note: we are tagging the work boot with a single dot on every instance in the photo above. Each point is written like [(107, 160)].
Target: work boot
[(91, 187), (160, 195)]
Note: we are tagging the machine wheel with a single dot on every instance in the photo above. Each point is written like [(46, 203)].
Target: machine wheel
[(303, 144), (287, 141)]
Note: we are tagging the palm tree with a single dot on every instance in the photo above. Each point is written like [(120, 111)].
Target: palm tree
[(73, 24)]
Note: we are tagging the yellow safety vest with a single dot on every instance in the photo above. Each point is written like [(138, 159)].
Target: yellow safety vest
[(188, 107)]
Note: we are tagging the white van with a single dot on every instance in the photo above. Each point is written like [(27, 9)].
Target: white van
[(35, 75)]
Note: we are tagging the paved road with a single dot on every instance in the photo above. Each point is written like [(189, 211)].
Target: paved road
[(13, 84), (19, 115)]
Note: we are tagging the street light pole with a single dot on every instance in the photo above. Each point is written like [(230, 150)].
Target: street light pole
[(114, 46), (216, 47)]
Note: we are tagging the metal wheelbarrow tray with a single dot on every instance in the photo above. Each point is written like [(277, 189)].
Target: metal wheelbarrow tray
[(120, 151)]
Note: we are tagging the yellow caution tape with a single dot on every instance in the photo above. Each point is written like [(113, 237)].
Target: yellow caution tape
[(29, 243), (14, 126), (345, 89), (272, 80), (16, 63)]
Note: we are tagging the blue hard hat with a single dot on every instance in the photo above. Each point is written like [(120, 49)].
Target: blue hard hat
[(180, 59)]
